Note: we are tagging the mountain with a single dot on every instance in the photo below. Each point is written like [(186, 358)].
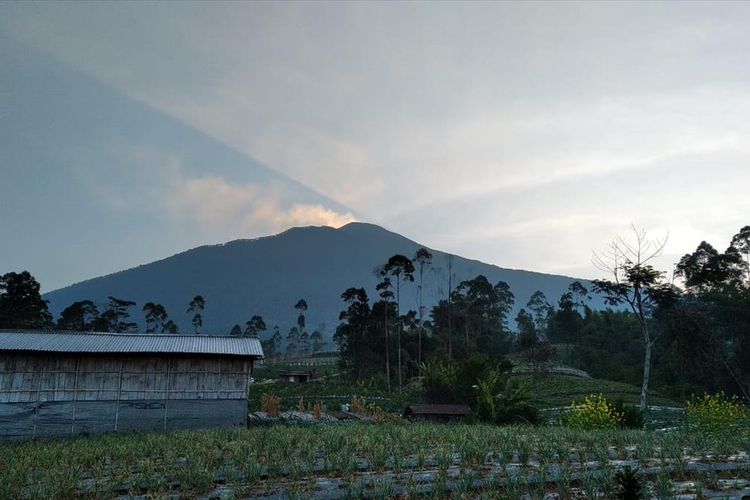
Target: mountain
[(268, 275)]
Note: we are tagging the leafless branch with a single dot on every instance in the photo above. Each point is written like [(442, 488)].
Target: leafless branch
[(638, 251)]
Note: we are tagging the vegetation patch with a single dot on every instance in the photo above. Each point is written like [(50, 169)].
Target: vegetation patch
[(386, 459), (594, 412)]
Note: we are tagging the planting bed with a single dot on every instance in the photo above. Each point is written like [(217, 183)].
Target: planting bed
[(384, 460)]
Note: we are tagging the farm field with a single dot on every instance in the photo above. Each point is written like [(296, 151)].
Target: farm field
[(376, 460), (547, 391), (559, 390)]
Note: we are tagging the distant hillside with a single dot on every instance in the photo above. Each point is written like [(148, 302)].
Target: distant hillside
[(268, 275)]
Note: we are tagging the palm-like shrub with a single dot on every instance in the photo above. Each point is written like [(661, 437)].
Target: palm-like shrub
[(501, 400), (628, 484), (489, 390), (439, 381)]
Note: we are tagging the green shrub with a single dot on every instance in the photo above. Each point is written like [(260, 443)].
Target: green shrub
[(628, 484), (632, 416), (501, 400), (595, 412), (439, 382), (717, 414), (455, 382)]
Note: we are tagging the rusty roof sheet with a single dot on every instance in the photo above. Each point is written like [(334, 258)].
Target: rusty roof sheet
[(437, 410), (130, 343)]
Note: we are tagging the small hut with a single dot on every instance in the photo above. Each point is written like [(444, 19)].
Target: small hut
[(67, 383), (436, 413)]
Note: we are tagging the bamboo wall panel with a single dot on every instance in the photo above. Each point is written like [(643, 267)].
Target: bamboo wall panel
[(59, 395)]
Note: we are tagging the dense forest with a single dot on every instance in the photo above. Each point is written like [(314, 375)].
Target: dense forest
[(696, 336), (690, 338)]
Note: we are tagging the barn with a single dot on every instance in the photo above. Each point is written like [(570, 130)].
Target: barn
[(68, 383)]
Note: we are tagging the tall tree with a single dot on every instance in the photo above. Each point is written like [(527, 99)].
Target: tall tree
[(196, 306), (79, 316), (741, 241), (541, 312), (527, 334), (579, 294), (422, 258), (401, 268), (352, 333), (292, 342), (304, 343), (301, 306), (636, 284), (170, 327), (155, 316), (708, 270), (236, 331), (116, 318), (255, 326), (276, 341), (316, 339), (384, 289), (486, 307), (21, 304), (272, 344)]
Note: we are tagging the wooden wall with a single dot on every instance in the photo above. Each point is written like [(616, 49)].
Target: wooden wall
[(48, 394)]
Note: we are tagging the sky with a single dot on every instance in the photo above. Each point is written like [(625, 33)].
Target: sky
[(525, 135)]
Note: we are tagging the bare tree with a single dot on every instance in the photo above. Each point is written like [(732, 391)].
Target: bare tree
[(637, 284)]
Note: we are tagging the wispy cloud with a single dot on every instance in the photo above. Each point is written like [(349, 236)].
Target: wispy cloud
[(245, 209)]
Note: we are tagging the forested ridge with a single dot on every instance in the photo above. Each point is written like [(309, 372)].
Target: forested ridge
[(697, 327)]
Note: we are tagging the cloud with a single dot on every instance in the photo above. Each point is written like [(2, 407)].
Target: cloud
[(154, 182), (492, 129), (247, 208)]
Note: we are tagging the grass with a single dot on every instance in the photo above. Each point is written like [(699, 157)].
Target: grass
[(261, 460), (333, 392), (550, 391)]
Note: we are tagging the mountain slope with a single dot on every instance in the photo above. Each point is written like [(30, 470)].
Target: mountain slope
[(268, 275)]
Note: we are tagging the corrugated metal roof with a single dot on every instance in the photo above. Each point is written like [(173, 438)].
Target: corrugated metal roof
[(437, 410), (15, 340)]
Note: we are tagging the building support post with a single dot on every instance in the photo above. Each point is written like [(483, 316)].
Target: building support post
[(166, 392), (75, 398), (119, 393)]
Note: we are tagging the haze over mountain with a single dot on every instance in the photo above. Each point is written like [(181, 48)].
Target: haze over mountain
[(268, 275)]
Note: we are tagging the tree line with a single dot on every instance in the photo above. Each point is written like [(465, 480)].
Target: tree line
[(682, 340), (22, 307)]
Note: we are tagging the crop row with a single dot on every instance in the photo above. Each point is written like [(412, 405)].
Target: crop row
[(193, 459)]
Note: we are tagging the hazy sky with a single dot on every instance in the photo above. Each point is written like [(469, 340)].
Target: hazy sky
[(520, 134)]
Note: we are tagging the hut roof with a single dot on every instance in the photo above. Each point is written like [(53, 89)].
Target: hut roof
[(130, 343), (457, 410)]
